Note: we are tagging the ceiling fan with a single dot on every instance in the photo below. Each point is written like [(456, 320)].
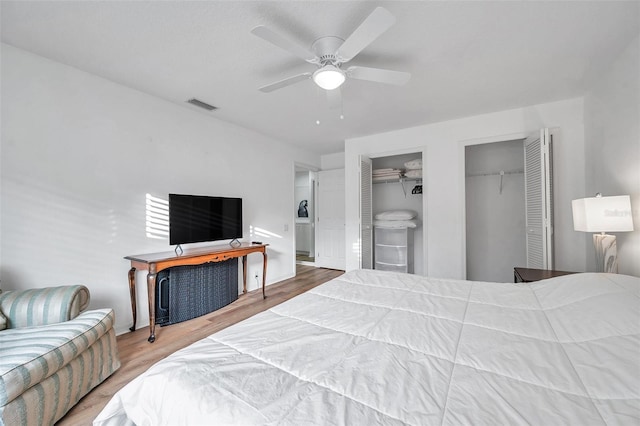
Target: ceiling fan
[(330, 53)]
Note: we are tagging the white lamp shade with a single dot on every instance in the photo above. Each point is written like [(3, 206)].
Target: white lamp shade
[(329, 77), (602, 214)]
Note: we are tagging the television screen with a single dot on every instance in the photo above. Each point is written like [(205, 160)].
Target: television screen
[(197, 218)]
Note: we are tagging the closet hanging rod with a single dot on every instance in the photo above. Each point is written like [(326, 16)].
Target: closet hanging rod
[(512, 172), (396, 180)]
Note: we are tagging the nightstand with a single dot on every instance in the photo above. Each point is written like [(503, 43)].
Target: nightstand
[(526, 275)]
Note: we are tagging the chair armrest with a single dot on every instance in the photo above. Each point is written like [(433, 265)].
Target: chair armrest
[(43, 306)]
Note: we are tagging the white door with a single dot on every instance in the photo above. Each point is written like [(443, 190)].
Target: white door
[(366, 215), (539, 200), (330, 220)]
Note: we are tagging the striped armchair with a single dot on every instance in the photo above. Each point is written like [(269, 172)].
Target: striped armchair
[(51, 352)]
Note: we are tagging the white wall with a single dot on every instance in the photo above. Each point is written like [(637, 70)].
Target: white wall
[(612, 148), (495, 218), (332, 161), (442, 145), (79, 154)]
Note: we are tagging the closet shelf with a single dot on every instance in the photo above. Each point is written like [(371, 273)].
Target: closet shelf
[(390, 245), (391, 264), (400, 180)]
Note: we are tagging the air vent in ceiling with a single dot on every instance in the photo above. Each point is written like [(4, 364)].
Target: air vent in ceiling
[(198, 103)]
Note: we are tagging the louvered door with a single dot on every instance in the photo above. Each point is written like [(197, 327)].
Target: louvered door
[(366, 215), (539, 200)]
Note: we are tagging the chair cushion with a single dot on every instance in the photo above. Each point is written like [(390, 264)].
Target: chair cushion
[(29, 355), (3, 319)]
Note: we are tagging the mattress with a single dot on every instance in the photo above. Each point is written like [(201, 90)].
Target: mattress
[(375, 347)]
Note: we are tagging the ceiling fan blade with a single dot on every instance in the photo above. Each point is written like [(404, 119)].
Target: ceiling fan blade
[(286, 82), (335, 98), (378, 75), (371, 28), (284, 43)]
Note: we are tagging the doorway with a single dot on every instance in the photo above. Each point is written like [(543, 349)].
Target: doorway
[(305, 213), (397, 187), (508, 206), (495, 210)]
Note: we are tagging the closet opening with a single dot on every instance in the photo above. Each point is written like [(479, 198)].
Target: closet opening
[(509, 207), (396, 203), (495, 210)]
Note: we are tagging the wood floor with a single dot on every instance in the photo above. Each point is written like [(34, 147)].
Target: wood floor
[(137, 355)]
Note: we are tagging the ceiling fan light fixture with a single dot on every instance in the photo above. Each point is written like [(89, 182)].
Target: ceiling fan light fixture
[(329, 77)]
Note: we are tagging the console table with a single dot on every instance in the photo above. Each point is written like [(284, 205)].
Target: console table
[(156, 262)]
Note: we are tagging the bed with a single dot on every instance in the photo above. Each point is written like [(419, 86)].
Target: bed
[(372, 347)]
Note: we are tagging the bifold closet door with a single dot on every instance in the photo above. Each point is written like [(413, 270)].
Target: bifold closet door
[(539, 200), (366, 215)]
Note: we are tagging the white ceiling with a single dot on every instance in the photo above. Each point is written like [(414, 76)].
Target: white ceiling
[(466, 58)]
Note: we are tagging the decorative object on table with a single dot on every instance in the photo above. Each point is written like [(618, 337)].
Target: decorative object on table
[(302, 209), (603, 214)]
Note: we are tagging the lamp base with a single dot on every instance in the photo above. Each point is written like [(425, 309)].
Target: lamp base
[(606, 253)]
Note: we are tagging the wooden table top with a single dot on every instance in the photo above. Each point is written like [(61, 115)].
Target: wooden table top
[(530, 275), (194, 252)]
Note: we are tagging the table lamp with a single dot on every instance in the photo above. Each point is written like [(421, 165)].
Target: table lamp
[(603, 214)]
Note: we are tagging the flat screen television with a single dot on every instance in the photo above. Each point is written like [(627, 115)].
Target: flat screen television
[(199, 218)]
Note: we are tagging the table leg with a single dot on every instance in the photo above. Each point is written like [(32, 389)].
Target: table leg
[(132, 294), (264, 272), (151, 290), (244, 274)]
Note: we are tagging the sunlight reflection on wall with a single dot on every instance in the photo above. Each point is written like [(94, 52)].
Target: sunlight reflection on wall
[(255, 233), (157, 217)]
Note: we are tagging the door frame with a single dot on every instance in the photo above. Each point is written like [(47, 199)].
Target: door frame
[(313, 169), (422, 150), (462, 144)]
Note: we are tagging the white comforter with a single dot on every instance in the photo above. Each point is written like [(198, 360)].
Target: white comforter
[(376, 347)]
